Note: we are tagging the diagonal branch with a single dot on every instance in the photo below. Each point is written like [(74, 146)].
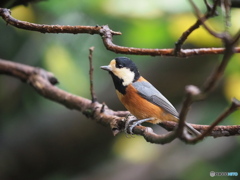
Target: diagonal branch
[(211, 12), (202, 20), (107, 36), (234, 106)]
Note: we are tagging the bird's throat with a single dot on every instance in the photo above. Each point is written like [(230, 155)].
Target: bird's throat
[(118, 83)]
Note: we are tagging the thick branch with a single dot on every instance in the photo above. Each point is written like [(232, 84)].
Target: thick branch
[(106, 33), (43, 82)]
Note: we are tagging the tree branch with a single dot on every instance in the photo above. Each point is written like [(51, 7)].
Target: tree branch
[(43, 82), (229, 43), (94, 98), (43, 28), (107, 36), (234, 106), (211, 12)]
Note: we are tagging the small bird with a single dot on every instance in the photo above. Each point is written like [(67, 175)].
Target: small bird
[(139, 96)]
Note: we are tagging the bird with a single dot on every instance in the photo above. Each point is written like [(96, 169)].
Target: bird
[(139, 96)]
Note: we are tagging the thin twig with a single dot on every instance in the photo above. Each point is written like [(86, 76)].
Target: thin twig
[(229, 51), (229, 44), (235, 39), (211, 12), (226, 8), (218, 73), (210, 31), (191, 91), (234, 106), (93, 95), (218, 131)]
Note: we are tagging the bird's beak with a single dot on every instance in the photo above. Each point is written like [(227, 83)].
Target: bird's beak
[(106, 68)]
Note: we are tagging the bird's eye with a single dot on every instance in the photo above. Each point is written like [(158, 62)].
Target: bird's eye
[(119, 65)]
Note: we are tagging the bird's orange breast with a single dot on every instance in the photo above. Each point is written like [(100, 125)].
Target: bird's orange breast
[(142, 108)]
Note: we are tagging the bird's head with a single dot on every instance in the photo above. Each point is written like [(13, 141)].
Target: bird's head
[(123, 71)]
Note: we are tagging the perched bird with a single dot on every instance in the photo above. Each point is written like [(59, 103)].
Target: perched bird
[(139, 96)]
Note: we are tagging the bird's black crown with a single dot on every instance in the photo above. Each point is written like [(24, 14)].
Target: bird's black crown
[(122, 62)]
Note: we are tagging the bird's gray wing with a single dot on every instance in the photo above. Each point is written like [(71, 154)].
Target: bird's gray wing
[(150, 93)]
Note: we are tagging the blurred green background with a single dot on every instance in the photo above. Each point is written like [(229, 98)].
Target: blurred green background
[(40, 139)]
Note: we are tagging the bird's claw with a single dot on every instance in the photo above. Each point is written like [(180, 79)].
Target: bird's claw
[(130, 127), (135, 122), (130, 124)]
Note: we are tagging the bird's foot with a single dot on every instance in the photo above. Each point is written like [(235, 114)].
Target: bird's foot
[(131, 123)]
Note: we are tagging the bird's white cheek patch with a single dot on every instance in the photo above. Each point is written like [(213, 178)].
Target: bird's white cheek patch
[(126, 75)]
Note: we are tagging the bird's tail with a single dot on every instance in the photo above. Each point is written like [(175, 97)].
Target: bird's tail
[(192, 130)]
